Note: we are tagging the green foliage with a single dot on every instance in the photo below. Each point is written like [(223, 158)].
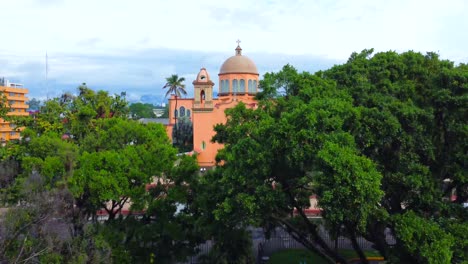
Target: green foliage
[(235, 246), (459, 231), (423, 239), (182, 135), (380, 140), (175, 85), (4, 106), (335, 185), (85, 147), (34, 104), (380, 136), (141, 110), (412, 124), (278, 155)]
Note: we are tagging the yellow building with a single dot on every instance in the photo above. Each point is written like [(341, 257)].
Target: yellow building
[(16, 100)]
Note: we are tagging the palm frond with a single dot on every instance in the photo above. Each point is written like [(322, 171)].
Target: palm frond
[(183, 91), (175, 85)]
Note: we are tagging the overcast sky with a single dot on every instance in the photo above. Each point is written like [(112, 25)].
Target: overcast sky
[(131, 46)]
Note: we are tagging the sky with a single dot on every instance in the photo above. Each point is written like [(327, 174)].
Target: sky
[(133, 45)]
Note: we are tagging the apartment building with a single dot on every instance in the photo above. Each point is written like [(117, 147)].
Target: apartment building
[(16, 101)]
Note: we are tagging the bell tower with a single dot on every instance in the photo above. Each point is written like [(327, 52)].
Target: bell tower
[(203, 92)]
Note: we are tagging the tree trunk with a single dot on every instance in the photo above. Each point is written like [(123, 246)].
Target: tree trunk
[(299, 236), (378, 237), (175, 118), (357, 248), (313, 231)]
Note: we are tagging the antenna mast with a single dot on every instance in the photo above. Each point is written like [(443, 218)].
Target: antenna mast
[(47, 76)]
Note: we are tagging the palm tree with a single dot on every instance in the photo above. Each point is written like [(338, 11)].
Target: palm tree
[(175, 87)]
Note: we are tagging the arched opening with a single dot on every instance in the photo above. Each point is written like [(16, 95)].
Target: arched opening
[(202, 95), (182, 111), (251, 87), (235, 86), (242, 86), (224, 86)]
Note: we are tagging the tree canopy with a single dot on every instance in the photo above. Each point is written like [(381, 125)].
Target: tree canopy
[(141, 110), (84, 156), (381, 140)]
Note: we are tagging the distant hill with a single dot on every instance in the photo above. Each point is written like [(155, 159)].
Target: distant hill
[(152, 99)]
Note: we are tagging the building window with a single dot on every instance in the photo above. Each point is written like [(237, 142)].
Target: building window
[(203, 145), (225, 86), (251, 87), (235, 86), (188, 112), (242, 86), (13, 134), (182, 111), (175, 113), (255, 86)]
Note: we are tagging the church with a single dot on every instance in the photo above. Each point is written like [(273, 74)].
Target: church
[(237, 82)]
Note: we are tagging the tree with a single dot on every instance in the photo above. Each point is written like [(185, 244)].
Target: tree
[(140, 110), (380, 140), (411, 125), (119, 159), (175, 86), (85, 148), (37, 230), (182, 135), (34, 104), (278, 155), (4, 106)]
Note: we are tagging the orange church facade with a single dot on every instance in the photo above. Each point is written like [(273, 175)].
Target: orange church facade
[(237, 82)]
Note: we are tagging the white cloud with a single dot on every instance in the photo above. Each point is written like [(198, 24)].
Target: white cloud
[(107, 42)]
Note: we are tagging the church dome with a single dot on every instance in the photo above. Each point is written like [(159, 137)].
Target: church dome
[(238, 64)]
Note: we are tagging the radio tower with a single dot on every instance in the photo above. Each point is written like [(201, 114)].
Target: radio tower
[(47, 76)]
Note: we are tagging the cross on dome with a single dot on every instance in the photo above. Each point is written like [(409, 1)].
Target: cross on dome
[(238, 49)]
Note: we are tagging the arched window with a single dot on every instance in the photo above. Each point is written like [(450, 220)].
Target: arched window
[(224, 86), (242, 86), (175, 113), (202, 95), (188, 113), (203, 145), (235, 86), (251, 89), (182, 111), (254, 86)]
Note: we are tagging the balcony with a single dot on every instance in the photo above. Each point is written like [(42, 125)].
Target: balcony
[(19, 106)]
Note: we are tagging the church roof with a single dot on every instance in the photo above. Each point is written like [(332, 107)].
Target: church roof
[(238, 64)]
